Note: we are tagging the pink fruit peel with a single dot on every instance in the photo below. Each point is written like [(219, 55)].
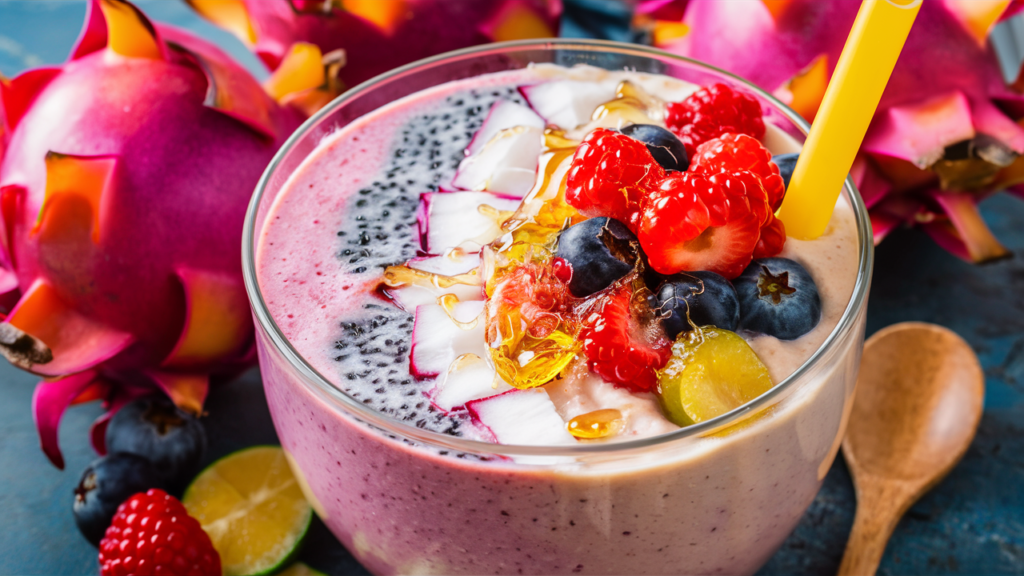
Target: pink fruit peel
[(123, 186)]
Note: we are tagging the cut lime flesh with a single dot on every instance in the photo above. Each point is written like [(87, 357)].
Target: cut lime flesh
[(250, 504), (711, 372)]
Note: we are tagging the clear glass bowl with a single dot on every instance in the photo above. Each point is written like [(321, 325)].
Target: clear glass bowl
[(718, 496)]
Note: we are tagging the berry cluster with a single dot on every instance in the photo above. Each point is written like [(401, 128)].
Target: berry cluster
[(710, 209), (716, 215)]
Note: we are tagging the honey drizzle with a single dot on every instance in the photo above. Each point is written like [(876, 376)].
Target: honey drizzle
[(402, 275), (448, 302), (597, 424)]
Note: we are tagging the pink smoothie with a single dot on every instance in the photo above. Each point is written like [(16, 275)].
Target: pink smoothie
[(721, 502)]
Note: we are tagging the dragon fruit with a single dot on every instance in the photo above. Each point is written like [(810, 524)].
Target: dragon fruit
[(123, 187), (946, 134), (378, 35)]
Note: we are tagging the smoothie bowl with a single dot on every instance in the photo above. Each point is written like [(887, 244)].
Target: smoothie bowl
[(509, 323)]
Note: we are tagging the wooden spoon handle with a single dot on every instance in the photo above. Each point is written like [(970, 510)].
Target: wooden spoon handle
[(880, 505)]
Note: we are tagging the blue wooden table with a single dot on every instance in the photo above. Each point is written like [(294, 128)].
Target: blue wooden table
[(972, 523)]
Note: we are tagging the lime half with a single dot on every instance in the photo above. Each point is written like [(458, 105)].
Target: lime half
[(253, 509)]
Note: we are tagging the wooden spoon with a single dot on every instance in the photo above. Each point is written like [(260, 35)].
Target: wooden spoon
[(918, 403)]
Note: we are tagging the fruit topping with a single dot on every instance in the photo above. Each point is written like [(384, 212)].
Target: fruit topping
[(253, 508), (786, 164), (506, 164), (521, 417), (623, 341), (467, 220), (699, 222), (105, 484), (504, 114), (152, 533), (778, 297), (712, 111), (689, 300), (424, 280), (667, 150), (711, 372), (467, 378), (598, 252), (529, 334), (568, 103), (596, 424), (732, 153), (154, 428), (439, 336), (611, 174)]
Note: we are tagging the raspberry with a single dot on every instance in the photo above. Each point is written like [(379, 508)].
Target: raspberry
[(712, 111), (610, 175), (623, 344), (153, 534), (735, 206), (773, 238), (734, 152)]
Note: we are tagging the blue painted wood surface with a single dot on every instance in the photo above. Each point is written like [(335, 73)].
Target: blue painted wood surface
[(972, 523)]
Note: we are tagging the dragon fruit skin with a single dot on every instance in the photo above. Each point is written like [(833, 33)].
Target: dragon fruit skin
[(379, 35), (123, 188), (946, 89)]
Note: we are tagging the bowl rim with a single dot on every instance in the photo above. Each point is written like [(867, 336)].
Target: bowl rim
[(311, 378)]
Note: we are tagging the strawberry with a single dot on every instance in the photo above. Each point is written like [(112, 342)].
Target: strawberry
[(674, 241), (610, 175), (624, 344), (712, 111)]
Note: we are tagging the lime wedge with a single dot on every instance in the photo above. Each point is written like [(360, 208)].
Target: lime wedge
[(253, 509)]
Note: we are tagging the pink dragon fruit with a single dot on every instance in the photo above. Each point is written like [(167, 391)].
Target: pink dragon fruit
[(946, 134), (123, 187), (378, 35)]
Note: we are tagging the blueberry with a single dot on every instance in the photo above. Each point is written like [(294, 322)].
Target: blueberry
[(666, 148), (778, 297), (600, 251), (156, 429), (786, 164), (105, 484), (708, 297)]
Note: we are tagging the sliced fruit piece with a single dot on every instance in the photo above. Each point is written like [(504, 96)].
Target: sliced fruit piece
[(437, 340), (250, 504), (522, 417), (711, 372), (568, 103), (449, 220), (409, 296), (469, 378), (505, 164), (504, 114)]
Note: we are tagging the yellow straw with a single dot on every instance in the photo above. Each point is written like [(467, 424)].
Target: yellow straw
[(853, 93)]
